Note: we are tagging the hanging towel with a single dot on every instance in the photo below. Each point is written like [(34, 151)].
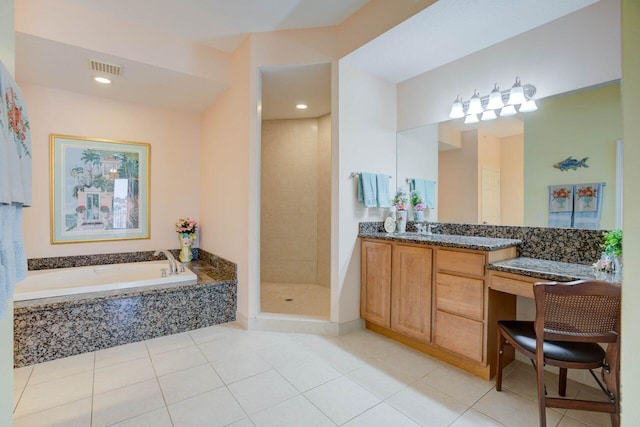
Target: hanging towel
[(427, 190), (15, 143), (560, 206), (384, 199), (367, 189), (15, 185), (588, 205)]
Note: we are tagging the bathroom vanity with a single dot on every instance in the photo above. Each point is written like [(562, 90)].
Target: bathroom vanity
[(432, 293)]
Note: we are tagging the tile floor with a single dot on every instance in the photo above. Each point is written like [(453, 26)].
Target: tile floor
[(295, 298), (223, 375)]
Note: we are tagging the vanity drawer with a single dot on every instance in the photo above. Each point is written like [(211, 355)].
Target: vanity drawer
[(460, 295), (511, 286), (459, 334), (461, 262)]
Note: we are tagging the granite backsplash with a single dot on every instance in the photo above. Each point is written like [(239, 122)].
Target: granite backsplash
[(578, 246)]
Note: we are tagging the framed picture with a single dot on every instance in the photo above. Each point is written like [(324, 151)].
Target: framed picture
[(99, 189)]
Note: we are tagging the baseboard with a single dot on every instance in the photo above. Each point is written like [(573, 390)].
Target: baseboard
[(352, 326), (242, 320)]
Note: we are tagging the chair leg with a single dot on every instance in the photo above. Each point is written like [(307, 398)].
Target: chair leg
[(499, 366), (541, 392), (562, 385)]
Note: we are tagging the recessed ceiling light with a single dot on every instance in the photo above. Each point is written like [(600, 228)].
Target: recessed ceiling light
[(301, 106), (103, 80)]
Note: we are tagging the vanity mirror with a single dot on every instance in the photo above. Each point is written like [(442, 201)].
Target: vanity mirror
[(498, 172)]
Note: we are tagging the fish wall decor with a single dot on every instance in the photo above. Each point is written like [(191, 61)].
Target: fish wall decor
[(571, 163)]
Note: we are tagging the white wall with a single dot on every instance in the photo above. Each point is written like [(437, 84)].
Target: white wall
[(7, 56), (175, 148), (367, 143), (417, 153), (631, 274), (579, 50)]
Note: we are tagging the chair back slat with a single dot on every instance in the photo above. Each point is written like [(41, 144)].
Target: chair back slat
[(578, 311)]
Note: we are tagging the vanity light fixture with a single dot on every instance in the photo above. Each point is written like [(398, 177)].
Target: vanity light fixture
[(301, 106), (102, 80), (507, 102)]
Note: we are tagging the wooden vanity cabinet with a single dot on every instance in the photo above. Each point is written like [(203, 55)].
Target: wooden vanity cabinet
[(375, 286), (434, 299), (411, 291)]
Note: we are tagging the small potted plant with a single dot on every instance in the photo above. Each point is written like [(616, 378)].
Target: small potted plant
[(186, 229), (418, 206), (400, 203), (613, 247)]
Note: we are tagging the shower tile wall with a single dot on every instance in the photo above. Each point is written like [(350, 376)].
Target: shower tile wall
[(295, 160)]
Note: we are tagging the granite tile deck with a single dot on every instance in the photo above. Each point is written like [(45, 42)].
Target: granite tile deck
[(550, 270), (445, 240)]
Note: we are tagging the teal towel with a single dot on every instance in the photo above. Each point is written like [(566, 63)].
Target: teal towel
[(384, 200), (367, 189), (428, 191)]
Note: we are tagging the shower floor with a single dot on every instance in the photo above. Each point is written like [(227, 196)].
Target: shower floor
[(295, 298)]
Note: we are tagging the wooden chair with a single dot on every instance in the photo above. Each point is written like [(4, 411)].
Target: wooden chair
[(571, 319)]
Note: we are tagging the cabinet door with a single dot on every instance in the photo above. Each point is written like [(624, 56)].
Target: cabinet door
[(411, 292), (459, 334), (375, 292)]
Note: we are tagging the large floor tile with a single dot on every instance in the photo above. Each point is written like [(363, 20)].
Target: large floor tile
[(50, 394), (512, 409), (382, 415), (121, 353), (243, 366), (523, 381), (169, 343), (473, 418), (567, 421), (189, 382), (341, 399), (292, 413), (157, 418), (21, 376), (211, 409), (210, 333), (245, 422), (427, 406), (458, 384), (122, 374), (74, 414), (119, 405), (262, 391), (59, 368), (381, 378), (592, 419), (176, 360), (307, 374)]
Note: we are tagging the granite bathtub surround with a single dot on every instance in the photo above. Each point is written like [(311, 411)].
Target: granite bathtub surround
[(567, 245), (52, 328), (551, 270), (100, 259)]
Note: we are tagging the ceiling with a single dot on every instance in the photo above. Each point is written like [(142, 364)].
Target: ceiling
[(451, 29), (223, 24)]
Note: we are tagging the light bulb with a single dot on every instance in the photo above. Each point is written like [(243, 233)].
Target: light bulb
[(516, 95), (470, 119), (475, 105), (457, 109), (495, 99), (488, 115), (528, 106), (508, 110)]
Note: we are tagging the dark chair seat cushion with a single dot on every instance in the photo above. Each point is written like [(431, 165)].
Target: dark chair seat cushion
[(523, 333)]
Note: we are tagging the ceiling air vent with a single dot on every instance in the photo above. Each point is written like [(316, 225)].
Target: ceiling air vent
[(103, 67)]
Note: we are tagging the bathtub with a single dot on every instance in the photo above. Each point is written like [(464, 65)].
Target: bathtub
[(96, 278)]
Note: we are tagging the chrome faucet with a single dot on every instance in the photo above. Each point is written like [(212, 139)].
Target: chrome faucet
[(173, 265), (422, 228), (430, 228)]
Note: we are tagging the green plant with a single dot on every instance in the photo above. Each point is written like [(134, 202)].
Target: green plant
[(612, 242), (416, 198), (400, 199)]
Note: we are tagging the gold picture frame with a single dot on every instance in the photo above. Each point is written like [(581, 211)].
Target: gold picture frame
[(99, 189)]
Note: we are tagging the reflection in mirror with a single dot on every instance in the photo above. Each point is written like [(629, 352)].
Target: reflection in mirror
[(498, 172)]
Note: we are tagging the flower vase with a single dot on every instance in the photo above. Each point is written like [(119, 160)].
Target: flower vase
[(418, 215), (401, 221), (186, 240)]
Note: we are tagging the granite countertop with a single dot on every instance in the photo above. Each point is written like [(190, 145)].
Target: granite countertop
[(446, 240), (207, 275), (550, 270)]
